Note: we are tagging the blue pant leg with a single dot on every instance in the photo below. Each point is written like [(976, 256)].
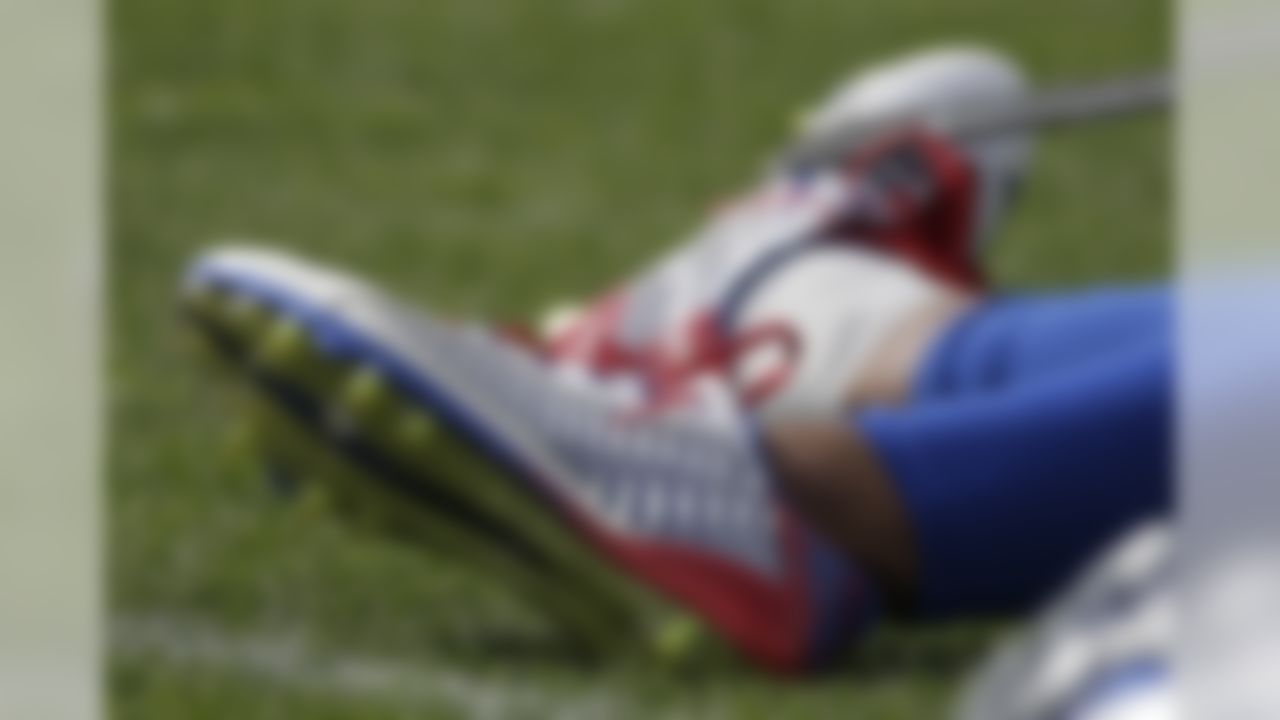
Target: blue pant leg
[(1021, 338)]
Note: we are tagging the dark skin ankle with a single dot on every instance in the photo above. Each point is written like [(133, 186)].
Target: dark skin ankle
[(833, 479)]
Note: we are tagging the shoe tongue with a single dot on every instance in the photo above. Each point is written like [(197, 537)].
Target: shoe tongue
[(782, 212)]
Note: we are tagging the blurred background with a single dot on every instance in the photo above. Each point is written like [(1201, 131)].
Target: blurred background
[(490, 157)]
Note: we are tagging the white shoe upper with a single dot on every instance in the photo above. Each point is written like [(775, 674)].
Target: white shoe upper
[(843, 309)]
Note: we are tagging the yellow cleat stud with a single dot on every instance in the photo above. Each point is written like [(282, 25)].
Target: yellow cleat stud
[(286, 342), (365, 391), (415, 430), (677, 638)]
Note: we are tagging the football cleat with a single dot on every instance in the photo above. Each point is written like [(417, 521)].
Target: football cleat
[(322, 427), (567, 468)]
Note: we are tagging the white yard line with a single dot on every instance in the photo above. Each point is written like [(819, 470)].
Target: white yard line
[(289, 661)]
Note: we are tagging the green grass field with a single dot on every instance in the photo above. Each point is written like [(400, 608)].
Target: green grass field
[(490, 156)]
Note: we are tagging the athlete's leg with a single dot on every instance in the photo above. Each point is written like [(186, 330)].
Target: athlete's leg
[(982, 499), (1008, 492)]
